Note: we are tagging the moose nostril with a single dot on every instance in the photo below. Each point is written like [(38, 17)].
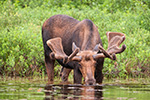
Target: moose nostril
[(90, 82)]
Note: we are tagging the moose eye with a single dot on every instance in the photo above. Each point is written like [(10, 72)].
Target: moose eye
[(79, 65), (95, 64)]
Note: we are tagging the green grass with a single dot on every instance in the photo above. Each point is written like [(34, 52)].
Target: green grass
[(21, 49)]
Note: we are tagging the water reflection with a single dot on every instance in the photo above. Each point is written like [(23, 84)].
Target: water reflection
[(36, 91), (73, 92)]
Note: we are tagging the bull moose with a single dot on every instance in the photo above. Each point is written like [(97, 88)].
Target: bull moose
[(77, 45)]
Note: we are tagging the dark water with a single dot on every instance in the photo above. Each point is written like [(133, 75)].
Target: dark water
[(29, 91)]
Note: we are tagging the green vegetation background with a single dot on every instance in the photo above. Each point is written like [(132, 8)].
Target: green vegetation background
[(21, 48)]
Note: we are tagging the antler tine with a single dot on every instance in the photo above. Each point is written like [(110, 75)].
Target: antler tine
[(103, 51)]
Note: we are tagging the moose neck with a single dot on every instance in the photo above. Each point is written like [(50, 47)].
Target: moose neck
[(86, 35)]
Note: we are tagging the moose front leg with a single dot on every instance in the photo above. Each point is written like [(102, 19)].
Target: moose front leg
[(98, 71), (77, 76)]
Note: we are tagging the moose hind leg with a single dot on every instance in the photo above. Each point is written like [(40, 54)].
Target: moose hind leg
[(65, 73), (49, 68)]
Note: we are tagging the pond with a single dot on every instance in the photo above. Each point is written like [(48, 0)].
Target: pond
[(41, 91)]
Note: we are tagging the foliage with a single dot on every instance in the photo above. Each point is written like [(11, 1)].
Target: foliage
[(21, 49)]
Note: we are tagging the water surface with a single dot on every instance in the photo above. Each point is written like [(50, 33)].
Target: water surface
[(39, 91)]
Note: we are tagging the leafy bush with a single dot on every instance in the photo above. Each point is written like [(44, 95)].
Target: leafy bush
[(21, 49)]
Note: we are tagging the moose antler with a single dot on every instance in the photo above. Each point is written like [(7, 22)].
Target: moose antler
[(114, 40), (55, 45)]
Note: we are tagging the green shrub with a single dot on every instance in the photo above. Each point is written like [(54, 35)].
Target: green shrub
[(21, 48)]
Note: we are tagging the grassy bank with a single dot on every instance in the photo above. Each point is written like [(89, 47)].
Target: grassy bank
[(21, 49)]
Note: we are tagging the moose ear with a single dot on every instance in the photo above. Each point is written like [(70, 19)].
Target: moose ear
[(74, 47), (96, 48)]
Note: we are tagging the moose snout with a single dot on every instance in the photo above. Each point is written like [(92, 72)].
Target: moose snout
[(90, 82)]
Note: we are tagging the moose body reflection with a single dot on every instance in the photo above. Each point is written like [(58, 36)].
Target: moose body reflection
[(73, 92)]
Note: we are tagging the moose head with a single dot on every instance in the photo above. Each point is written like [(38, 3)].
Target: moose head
[(86, 59)]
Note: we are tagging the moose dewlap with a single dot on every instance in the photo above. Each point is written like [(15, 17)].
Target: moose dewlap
[(77, 46)]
